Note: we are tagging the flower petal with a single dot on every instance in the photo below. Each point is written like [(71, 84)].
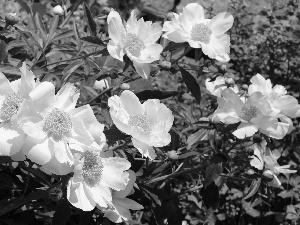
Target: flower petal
[(151, 53), (245, 130), (58, 168), (5, 87), (128, 204), (38, 151), (113, 173), (129, 186), (115, 50), (115, 26), (131, 103), (67, 97), (113, 216), (221, 23), (195, 12), (153, 34), (143, 69), (100, 193), (144, 149)]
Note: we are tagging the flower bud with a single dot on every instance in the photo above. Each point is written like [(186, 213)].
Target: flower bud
[(58, 10), (170, 16), (250, 151), (55, 194), (125, 86), (172, 155), (268, 175), (229, 81), (11, 18), (165, 65), (100, 84), (250, 172), (245, 87), (207, 63), (223, 68)]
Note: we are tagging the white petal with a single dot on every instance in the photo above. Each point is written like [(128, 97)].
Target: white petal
[(131, 103), (5, 87), (221, 23), (144, 149), (115, 26), (115, 50), (129, 204), (143, 69), (67, 97), (245, 130), (129, 186), (151, 53)]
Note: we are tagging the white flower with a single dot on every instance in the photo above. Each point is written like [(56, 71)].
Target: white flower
[(136, 39), (147, 123), (209, 34), (53, 125), (12, 96), (215, 87), (119, 211), (93, 179)]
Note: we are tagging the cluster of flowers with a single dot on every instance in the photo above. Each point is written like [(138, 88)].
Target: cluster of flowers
[(47, 129), (137, 38), (262, 108)]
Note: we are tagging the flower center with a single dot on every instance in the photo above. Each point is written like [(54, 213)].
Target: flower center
[(250, 112), (92, 168), (201, 32), (273, 96), (58, 123), (10, 105), (133, 44), (141, 122)]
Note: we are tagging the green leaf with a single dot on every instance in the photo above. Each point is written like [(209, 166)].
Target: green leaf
[(89, 20), (198, 54), (65, 34), (155, 94), (40, 26), (3, 50), (169, 212), (24, 6), (114, 134), (67, 72), (210, 196), (62, 213), (53, 27), (93, 40), (212, 173), (176, 46), (253, 188), (192, 84)]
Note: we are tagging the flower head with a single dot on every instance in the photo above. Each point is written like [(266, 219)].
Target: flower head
[(209, 34), (54, 125), (254, 115), (12, 97), (94, 177), (147, 123), (136, 39)]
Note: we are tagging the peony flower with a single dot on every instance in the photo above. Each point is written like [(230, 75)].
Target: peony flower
[(93, 179), (119, 210), (215, 87), (147, 123), (254, 115), (209, 34), (12, 96), (282, 104), (53, 125), (136, 39), (264, 158)]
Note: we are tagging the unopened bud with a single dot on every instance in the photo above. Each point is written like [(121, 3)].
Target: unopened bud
[(268, 175), (58, 10), (229, 81), (125, 86), (165, 65), (172, 155), (245, 87), (250, 172), (207, 63), (250, 151), (170, 16), (223, 68), (11, 18), (55, 194)]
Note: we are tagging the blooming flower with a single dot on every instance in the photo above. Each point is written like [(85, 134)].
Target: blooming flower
[(53, 125), (282, 104), (215, 87), (265, 158), (254, 115), (12, 95), (147, 123), (93, 178), (209, 34), (119, 210), (136, 39)]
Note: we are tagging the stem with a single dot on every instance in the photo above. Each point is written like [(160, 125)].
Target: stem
[(79, 57), (27, 180)]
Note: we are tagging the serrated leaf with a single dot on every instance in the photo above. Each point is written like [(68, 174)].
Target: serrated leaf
[(53, 26), (62, 213), (212, 173), (67, 72), (253, 188), (191, 83), (24, 6), (93, 40), (89, 20), (155, 94), (3, 50)]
